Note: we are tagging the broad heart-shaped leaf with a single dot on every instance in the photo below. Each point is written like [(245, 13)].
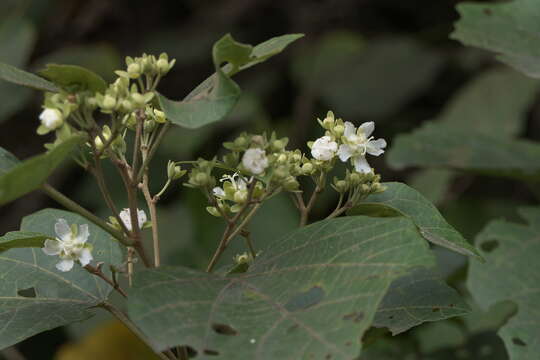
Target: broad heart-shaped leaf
[(20, 77), (510, 29), (400, 199), (441, 145), (74, 78), (416, 298), (312, 294), (28, 175), (21, 239), (512, 273), (215, 97), (35, 296)]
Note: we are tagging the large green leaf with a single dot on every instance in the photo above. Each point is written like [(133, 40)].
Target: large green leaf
[(17, 38), (28, 175), (74, 78), (400, 199), (483, 106), (512, 273), (510, 29), (313, 293), (442, 145), (416, 298), (21, 239), (215, 97), (35, 296)]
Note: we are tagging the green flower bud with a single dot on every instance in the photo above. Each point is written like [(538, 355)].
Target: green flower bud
[(202, 179), (160, 116), (282, 158), (240, 196), (212, 210), (149, 125), (278, 144), (163, 66), (134, 70), (109, 102), (291, 184), (341, 186), (307, 169), (240, 141), (355, 178), (339, 130), (138, 99), (127, 105)]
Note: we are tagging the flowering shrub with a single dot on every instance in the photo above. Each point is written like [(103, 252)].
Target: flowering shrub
[(312, 294)]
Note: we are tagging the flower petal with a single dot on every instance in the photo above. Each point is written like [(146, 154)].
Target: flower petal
[(375, 147), (344, 152), (367, 128), (85, 257), (62, 229), (349, 129), (218, 192), (52, 247), (65, 265), (361, 165), (83, 234)]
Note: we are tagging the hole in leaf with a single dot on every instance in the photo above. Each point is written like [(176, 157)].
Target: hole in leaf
[(354, 316), (305, 299), (224, 329), (451, 305), (489, 246), (436, 309), (328, 356), (292, 328), (27, 293), (518, 342), (391, 317), (211, 352)]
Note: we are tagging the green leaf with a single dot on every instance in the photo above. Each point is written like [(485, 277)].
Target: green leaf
[(215, 97), (512, 273), (404, 200), (416, 298), (21, 239), (510, 29), (20, 77), (7, 161), (74, 78), (312, 293), (35, 296), (28, 175), (17, 38), (441, 145)]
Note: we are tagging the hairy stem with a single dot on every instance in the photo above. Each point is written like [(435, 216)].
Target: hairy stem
[(99, 273), (151, 202)]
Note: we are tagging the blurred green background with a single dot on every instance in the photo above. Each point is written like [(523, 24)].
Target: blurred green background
[(386, 61)]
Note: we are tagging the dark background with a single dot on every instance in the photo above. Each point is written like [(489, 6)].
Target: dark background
[(388, 61)]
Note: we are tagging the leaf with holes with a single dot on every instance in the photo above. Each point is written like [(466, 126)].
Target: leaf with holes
[(30, 174), (417, 298), (35, 296), (400, 199), (509, 29), (74, 78), (22, 239), (215, 97), (512, 273), (312, 293)]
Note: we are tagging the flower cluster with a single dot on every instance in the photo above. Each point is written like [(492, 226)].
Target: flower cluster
[(258, 165), (70, 245), (347, 142)]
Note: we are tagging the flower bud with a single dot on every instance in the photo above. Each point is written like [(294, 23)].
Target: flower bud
[(339, 130), (240, 196), (282, 158), (51, 118), (328, 123), (341, 186), (355, 178), (163, 66), (240, 141), (127, 105), (278, 144), (109, 102), (138, 99), (149, 125), (291, 184), (202, 179), (212, 210), (307, 169), (134, 70), (160, 116), (174, 172)]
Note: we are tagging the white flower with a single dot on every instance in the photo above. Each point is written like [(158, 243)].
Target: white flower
[(51, 118), (70, 244), (218, 192), (255, 160), (324, 148), (125, 215), (357, 142), (237, 183)]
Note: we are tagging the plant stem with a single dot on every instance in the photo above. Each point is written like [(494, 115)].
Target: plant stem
[(97, 271), (73, 206), (151, 202), (247, 235), (131, 326), (152, 150), (12, 353)]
